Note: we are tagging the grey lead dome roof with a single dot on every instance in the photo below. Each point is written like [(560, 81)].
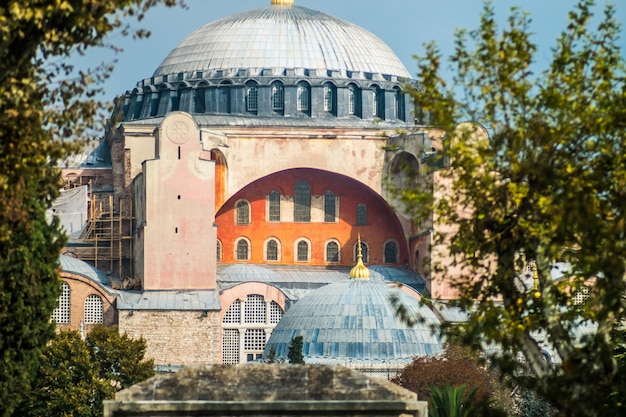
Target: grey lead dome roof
[(280, 37)]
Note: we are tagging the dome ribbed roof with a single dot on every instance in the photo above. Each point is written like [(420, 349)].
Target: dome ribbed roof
[(354, 321), (280, 37)]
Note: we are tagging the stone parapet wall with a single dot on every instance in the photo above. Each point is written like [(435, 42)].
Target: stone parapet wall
[(175, 337)]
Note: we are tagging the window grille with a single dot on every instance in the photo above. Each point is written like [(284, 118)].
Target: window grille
[(303, 251), (328, 98), (329, 207), (274, 206), (374, 103), (332, 252), (230, 346), (276, 313), (302, 202), (303, 98), (278, 97), (581, 296), (391, 253), (254, 340), (243, 213), (272, 250), (242, 250), (351, 100), (252, 99), (255, 309), (233, 314), (61, 313), (94, 310), (361, 215), (364, 252), (218, 250)]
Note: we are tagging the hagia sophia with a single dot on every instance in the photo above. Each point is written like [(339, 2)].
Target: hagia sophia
[(242, 195)]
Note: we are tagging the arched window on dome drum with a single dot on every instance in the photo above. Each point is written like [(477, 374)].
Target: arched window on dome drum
[(303, 251), (365, 252), (302, 202), (243, 213), (223, 98), (332, 252), (399, 103), (199, 100), (94, 312), (278, 97), (361, 215), (330, 215), (329, 98), (353, 100), (303, 97), (391, 253), (375, 103), (274, 206), (61, 313), (252, 98), (243, 250), (271, 251)]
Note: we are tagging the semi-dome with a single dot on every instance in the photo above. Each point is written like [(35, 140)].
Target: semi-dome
[(282, 37), (355, 322)]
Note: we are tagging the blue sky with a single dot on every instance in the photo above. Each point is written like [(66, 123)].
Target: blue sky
[(403, 24)]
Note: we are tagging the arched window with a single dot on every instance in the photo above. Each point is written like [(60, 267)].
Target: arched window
[(61, 313), (353, 100), (399, 103), (243, 212), (243, 250), (272, 252), (378, 102), (361, 215), (252, 98), (303, 97), (303, 251), (250, 317), (365, 252), (218, 250), (332, 252), (329, 97), (329, 207), (302, 202), (199, 100), (278, 97), (274, 206), (223, 94), (94, 312), (375, 103), (391, 252)]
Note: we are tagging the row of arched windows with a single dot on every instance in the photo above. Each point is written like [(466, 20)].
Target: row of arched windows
[(302, 251), (93, 312), (301, 207)]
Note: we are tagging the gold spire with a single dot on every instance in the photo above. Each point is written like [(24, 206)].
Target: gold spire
[(360, 271), (283, 2)]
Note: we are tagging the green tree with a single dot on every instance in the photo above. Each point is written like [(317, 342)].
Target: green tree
[(548, 184), (294, 353), (43, 102), (120, 358), (67, 382)]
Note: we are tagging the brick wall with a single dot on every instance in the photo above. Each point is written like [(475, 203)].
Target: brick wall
[(176, 337)]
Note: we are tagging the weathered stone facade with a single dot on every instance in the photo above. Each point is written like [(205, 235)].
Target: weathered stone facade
[(176, 337)]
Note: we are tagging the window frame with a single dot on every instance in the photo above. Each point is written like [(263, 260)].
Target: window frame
[(248, 249), (337, 255), (273, 206), (243, 218), (302, 202), (330, 207), (278, 97), (386, 254), (298, 250)]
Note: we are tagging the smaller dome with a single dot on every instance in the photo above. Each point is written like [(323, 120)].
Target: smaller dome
[(355, 322)]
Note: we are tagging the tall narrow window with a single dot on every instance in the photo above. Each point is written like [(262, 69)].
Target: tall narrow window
[(199, 100), (365, 252), (224, 98), (303, 97), (274, 206), (94, 310), (61, 313), (332, 252), (391, 253), (278, 97), (303, 251), (302, 202), (351, 100), (271, 251), (252, 98), (329, 97), (243, 250), (375, 103), (218, 250), (243, 212), (361, 215), (399, 104), (329, 207)]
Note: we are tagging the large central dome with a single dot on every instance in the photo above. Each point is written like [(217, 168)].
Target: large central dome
[(282, 37)]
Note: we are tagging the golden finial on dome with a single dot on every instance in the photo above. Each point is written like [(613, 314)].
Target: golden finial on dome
[(283, 2), (360, 271)]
